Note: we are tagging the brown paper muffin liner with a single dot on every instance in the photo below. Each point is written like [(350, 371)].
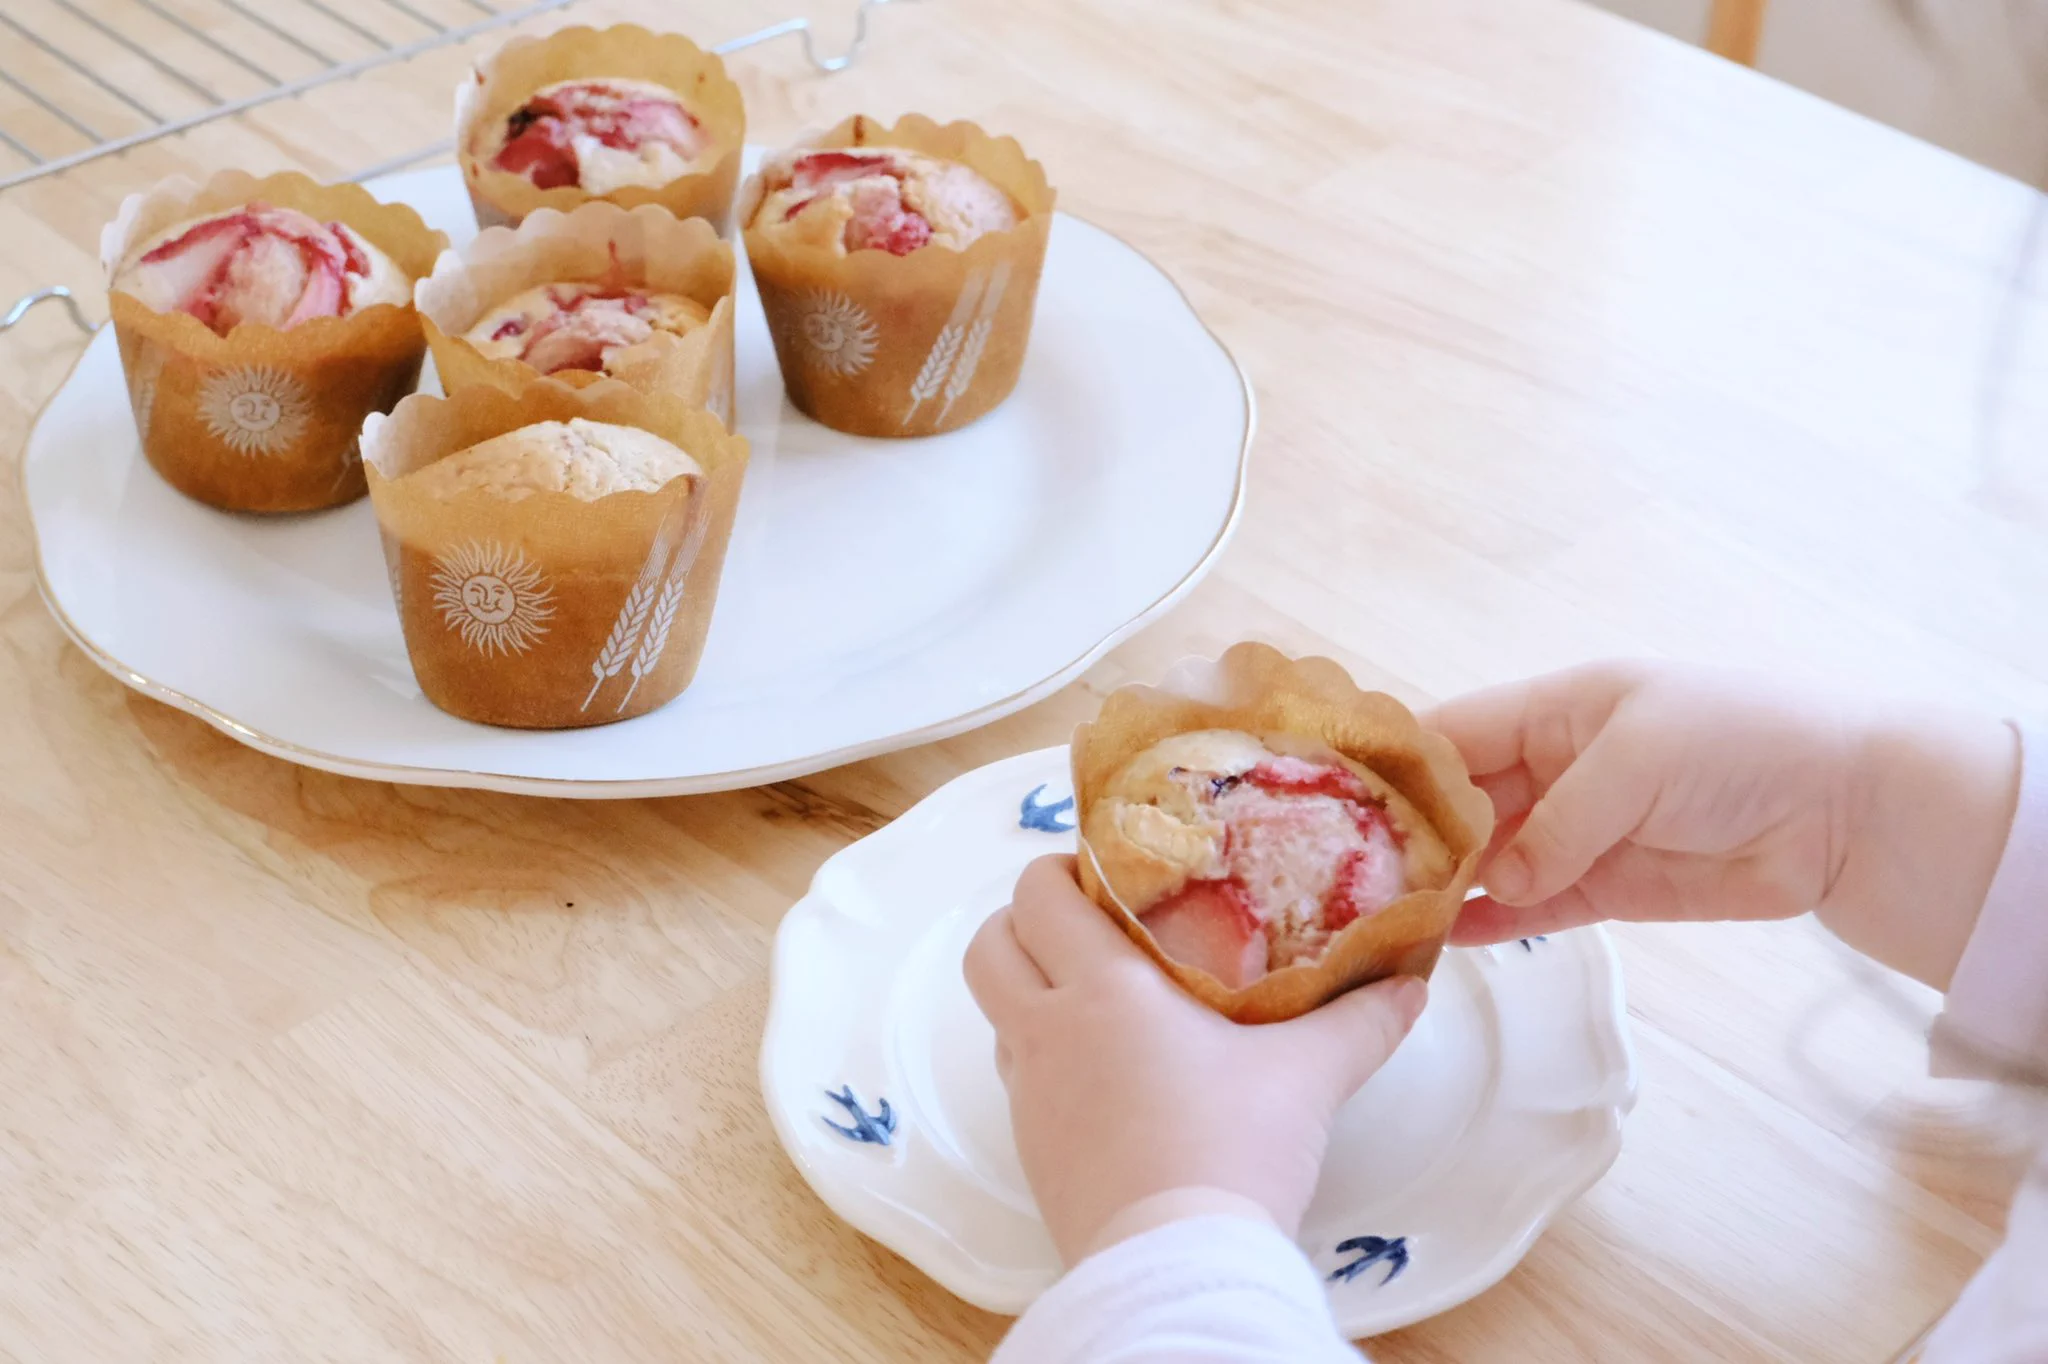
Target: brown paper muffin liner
[(882, 345), (508, 78), (264, 420), (646, 247), (1256, 688), (552, 612)]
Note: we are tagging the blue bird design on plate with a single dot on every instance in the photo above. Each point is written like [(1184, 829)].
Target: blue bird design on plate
[(873, 1129), (1389, 1250), (1529, 943), (1044, 819)]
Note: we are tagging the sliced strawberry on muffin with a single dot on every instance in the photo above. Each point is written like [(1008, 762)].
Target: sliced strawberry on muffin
[(263, 264), (599, 135), (879, 199), (581, 326)]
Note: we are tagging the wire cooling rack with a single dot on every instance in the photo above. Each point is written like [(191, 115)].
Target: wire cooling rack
[(157, 67), (333, 39)]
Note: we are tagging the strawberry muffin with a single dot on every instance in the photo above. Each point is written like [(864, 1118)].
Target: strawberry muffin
[(259, 322), (621, 114), (580, 326), (878, 199), (598, 136), (1242, 854), (262, 264), (554, 553), (898, 268)]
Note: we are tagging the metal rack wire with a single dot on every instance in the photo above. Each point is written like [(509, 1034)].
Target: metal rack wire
[(163, 66), (368, 23)]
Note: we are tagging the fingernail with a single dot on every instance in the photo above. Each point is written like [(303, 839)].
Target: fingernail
[(1408, 995), (1509, 876)]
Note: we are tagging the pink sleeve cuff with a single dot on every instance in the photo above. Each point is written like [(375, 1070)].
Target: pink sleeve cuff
[(1995, 1023)]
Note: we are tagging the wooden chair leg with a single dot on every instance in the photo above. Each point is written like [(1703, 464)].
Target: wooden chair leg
[(1735, 28)]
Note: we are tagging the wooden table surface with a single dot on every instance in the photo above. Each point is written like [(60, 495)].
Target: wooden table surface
[(1569, 341)]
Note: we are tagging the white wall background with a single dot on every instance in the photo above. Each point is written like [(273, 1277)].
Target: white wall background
[(1969, 75)]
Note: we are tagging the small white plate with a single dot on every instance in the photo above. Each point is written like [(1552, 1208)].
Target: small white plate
[(877, 593), (1503, 1106)]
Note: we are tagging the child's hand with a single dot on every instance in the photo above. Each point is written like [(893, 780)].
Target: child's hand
[(1122, 1086), (1648, 792)]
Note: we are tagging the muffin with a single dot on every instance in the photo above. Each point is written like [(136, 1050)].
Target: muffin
[(1272, 835), (259, 322), (1245, 853), (617, 113), (554, 553), (634, 295), (898, 268)]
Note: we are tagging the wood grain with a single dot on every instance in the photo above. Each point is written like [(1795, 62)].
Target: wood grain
[(1569, 341)]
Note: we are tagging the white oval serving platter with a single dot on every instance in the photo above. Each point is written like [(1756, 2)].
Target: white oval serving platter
[(1504, 1105), (877, 593)]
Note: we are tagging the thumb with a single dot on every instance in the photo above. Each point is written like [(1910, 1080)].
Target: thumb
[(1598, 801), (1352, 1036)]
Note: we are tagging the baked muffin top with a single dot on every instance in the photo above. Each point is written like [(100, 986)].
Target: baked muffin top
[(879, 199), (580, 326), (584, 459), (263, 264), (1244, 853), (597, 135)]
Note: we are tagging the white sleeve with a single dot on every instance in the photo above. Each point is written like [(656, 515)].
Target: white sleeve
[(1995, 1026), (1207, 1290)]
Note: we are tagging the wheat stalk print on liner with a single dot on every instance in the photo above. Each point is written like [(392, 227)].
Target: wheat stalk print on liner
[(605, 512), (655, 597), (672, 591), (938, 366), (625, 636), (962, 377), (898, 267)]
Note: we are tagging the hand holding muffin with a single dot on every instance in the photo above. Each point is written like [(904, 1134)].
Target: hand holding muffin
[(1104, 1059)]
